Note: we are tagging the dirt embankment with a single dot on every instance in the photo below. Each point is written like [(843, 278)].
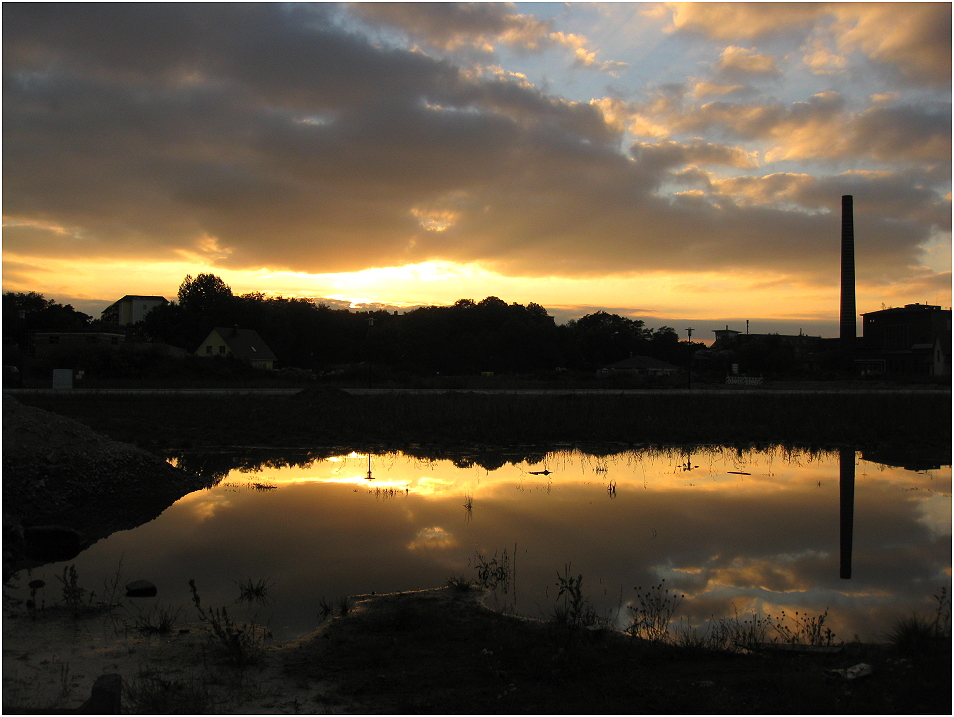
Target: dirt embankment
[(59, 472)]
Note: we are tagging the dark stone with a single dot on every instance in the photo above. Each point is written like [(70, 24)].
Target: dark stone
[(106, 698), (141, 588), (52, 542)]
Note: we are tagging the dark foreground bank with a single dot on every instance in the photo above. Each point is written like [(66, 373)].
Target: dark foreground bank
[(440, 652), (420, 654), (906, 421)]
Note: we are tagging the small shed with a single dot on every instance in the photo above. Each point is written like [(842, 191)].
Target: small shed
[(244, 344)]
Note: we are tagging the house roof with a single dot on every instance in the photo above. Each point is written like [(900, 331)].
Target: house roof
[(245, 344), (637, 362), (136, 297), (133, 297)]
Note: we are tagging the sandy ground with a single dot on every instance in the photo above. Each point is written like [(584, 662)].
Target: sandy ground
[(52, 662)]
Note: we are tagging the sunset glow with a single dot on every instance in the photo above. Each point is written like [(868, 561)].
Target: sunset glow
[(674, 162)]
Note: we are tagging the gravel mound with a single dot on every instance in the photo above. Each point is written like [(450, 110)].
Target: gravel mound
[(59, 472)]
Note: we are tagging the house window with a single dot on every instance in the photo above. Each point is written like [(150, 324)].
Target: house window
[(54, 339), (221, 349), (208, 349)]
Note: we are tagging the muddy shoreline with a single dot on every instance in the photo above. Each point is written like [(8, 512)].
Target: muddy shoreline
[(442, 652)]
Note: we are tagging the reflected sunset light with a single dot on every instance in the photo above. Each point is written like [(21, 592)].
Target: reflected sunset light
[(735, 533)]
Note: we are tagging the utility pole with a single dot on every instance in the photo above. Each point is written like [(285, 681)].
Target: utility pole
[(370, 324), (689, 366), (23, 341)]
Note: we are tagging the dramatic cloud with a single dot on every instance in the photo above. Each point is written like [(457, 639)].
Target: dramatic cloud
[(910, 39), (333, 138), (451, 25)]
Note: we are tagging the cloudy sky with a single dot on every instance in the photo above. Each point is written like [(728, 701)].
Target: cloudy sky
[(675, 162)]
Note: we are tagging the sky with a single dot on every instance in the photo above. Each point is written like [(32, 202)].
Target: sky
[(679, 163)]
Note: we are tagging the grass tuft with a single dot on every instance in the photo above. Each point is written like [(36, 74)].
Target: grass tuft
[(919, 635), (575, 609), (162, 692), (158, 620), (653, 611), (254, 590), (73, 594), (493, 572), (459, 584), (804, 629), (344, 605), (241, 645)]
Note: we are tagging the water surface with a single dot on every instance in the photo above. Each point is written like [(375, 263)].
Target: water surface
[(735, 532)]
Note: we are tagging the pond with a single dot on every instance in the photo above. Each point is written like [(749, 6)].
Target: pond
[(735, 532)]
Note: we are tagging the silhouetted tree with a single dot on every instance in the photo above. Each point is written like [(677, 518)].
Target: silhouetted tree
[(665, 345), (205, 292), (203, 303), (601, 338), (473, 337), (42, 314)]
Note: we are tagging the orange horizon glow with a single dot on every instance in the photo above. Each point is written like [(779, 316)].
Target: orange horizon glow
[(713, 297)]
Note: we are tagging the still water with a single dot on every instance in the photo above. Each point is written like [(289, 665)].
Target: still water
[(735, 532)]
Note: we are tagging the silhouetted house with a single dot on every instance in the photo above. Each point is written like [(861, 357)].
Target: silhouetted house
[(914, 339), (639, 366), (804, 348), (244, 344), (725, 339), (911, 458), (42, 343), (131, 309)]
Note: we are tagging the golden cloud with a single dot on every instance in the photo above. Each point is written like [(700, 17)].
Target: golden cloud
[(726, 21), (915, 38), (702, 90), (742, 61)]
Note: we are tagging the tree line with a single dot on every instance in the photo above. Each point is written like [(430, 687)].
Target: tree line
[(467, 337)]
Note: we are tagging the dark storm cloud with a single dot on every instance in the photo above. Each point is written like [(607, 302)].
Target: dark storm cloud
[(267, 135), (668, 154), (903, 132)]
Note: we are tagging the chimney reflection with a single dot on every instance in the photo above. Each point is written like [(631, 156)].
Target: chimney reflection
[(846, 486)]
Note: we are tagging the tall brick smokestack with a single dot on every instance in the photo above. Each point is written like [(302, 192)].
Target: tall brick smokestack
[(847, 322)]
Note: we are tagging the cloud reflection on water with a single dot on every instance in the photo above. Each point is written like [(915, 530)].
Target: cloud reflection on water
[(738, 532)]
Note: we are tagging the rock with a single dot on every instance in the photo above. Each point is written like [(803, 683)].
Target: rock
[(51, 542), (141, 588), (106, 698)]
